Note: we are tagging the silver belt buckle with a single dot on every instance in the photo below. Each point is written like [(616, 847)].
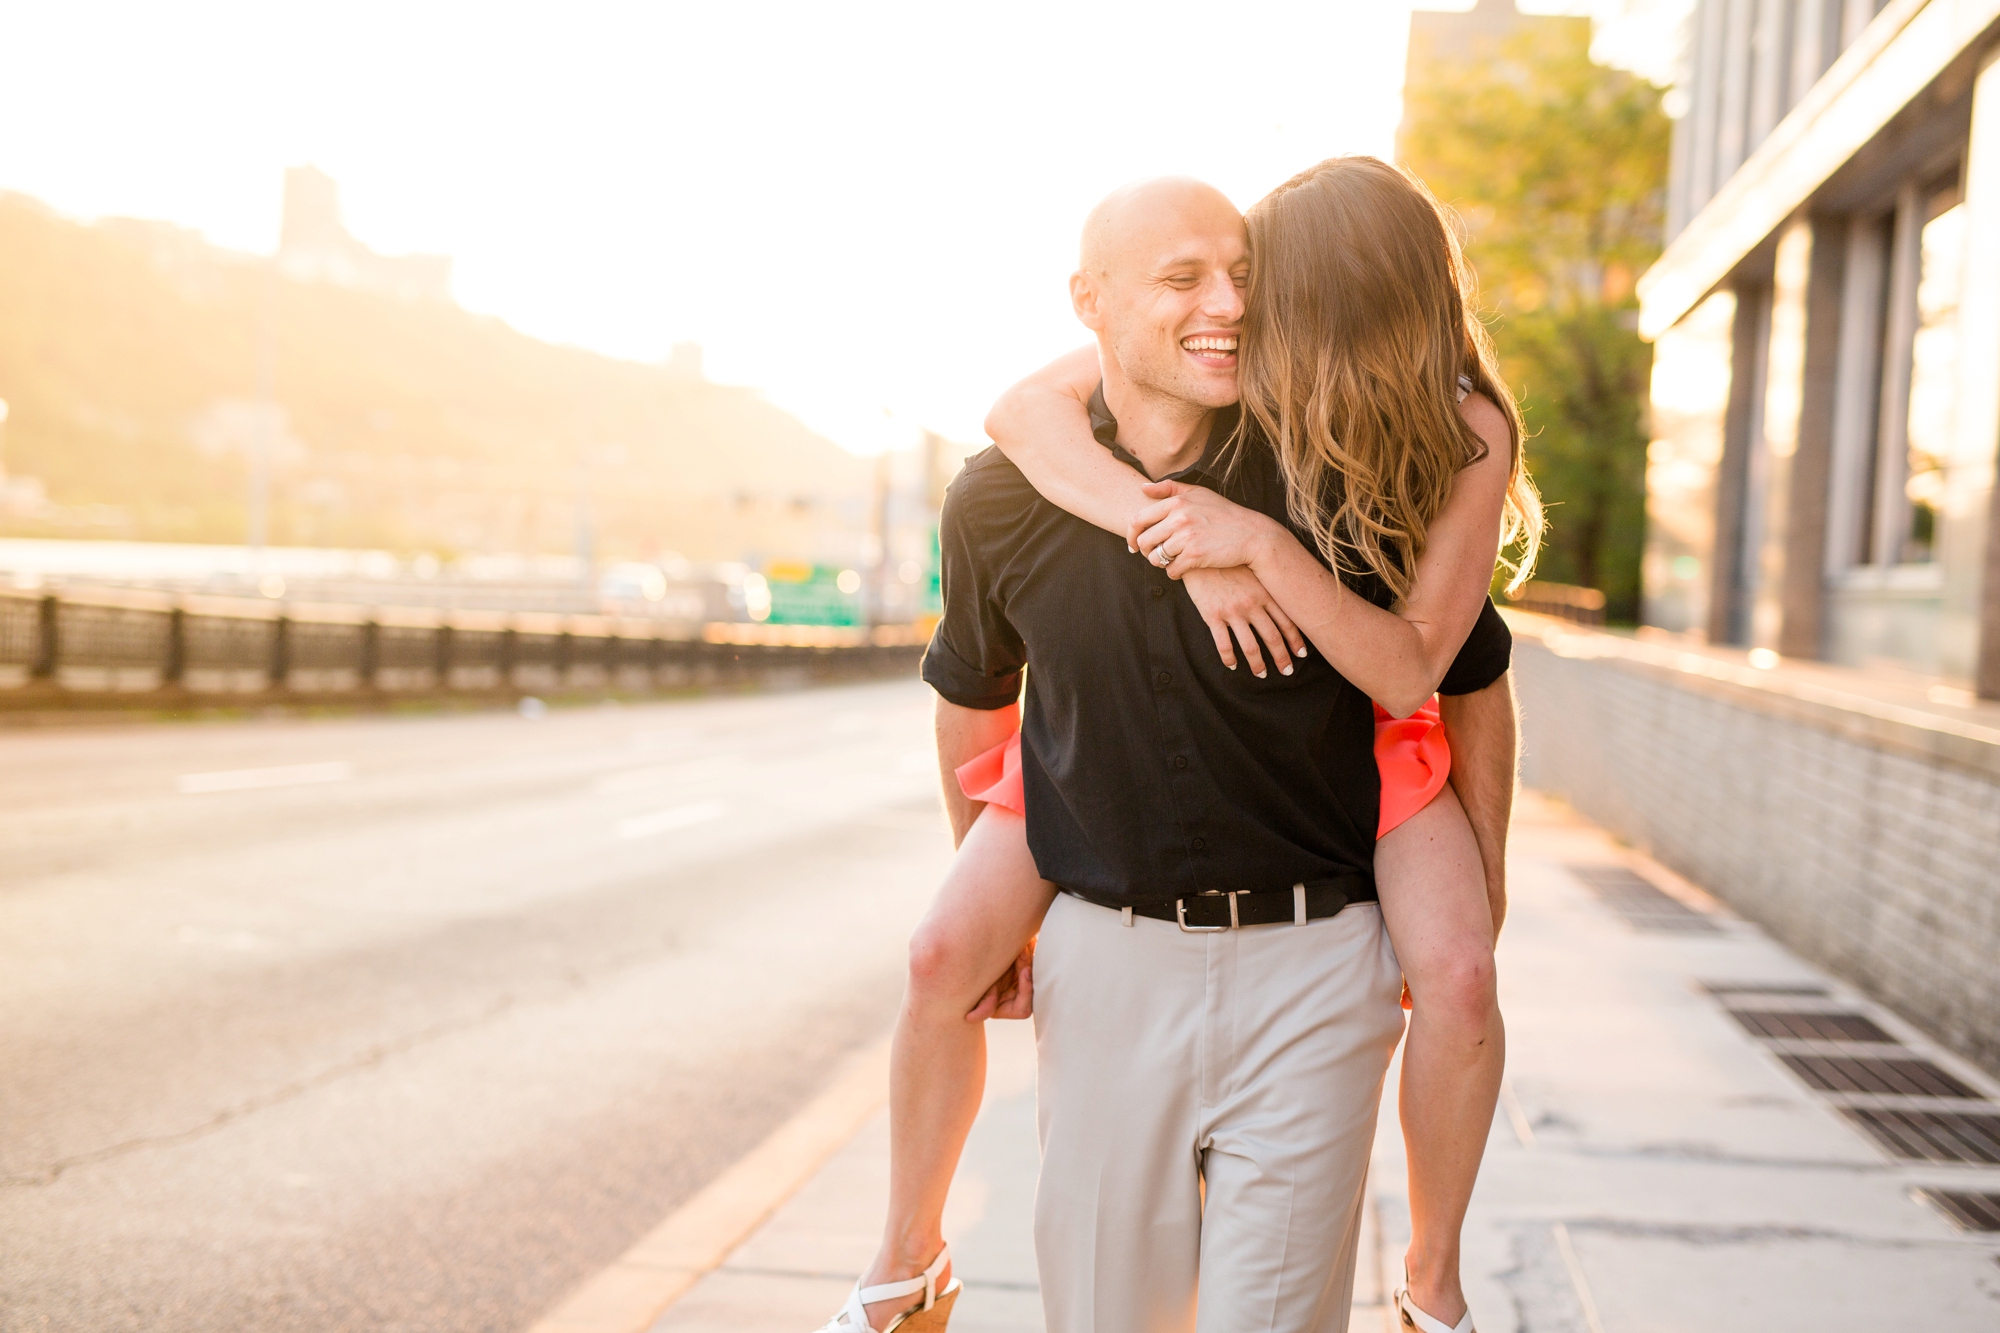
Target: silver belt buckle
[(1180, 913)]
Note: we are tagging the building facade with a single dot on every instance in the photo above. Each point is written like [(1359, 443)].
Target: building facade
[(1826, 382)]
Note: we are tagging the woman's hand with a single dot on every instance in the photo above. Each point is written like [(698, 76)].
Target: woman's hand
[(1191, 527), (1234, 601)]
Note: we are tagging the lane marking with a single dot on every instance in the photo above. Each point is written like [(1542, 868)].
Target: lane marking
[(663, 821), (695, 1238), (1585, 1302), (254, 779), (1517, 1117)]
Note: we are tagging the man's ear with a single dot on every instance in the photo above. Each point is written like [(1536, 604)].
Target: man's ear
[(1084, 299)]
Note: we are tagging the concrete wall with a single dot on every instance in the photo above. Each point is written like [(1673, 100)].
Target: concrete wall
[(1857, 833)]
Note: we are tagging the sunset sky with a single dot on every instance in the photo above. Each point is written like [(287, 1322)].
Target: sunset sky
[(868, 211)]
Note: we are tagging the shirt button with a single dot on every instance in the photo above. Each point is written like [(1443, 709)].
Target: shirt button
[(1164, 679), (1158, 591), (1199, 844), (1180, 761)]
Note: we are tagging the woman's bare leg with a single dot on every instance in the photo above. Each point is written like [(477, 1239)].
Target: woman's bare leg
[(990, 906), (1434, 903)]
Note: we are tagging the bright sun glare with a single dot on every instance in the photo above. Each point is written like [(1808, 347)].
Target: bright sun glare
[(867, 211)]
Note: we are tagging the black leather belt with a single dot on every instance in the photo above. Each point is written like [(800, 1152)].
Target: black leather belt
[(1245, 907)]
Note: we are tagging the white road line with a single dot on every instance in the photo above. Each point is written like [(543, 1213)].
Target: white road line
[(251, 779), (662, 821)]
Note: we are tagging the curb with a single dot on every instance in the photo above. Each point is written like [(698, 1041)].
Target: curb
[(629, 1295)]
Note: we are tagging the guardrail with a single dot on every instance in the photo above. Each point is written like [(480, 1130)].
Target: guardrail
[(1564, 601), (142, 648)]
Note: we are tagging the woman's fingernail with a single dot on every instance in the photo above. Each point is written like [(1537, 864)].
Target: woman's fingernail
[(1258, 674), (1287, 668), (1300, 651)]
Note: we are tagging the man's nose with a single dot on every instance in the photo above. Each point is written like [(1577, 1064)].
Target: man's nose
[(1223, 300)]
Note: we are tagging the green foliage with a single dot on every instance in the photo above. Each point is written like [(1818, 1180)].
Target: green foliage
[(1558, 167)]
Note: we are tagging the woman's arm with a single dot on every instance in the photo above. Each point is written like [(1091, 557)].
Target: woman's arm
[(1396, 657), (1042, 424)]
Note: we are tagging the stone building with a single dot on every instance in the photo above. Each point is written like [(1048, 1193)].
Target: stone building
[(1826, 387)]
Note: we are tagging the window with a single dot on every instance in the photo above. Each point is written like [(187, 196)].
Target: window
[(1933, 373)]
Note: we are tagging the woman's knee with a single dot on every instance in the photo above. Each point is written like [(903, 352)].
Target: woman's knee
[(1460, 989), (939, 963)]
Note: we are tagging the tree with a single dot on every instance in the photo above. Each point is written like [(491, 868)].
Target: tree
[(1558, 167)]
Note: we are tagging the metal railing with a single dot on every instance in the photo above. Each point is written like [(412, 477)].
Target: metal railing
[(1564, 601), (140, 646)]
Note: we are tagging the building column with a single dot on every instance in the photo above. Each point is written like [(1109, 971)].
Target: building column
[(1770, 61), (1802, 586), (1784, 404), (1703, 121), (1974, 494), (1728, 577)]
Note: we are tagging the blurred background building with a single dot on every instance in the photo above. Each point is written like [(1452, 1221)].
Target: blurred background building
[(314, 246), (328, 421), (1752, 312), (1826, 396)]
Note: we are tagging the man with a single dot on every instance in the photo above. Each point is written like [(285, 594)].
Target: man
[(1216, 999)]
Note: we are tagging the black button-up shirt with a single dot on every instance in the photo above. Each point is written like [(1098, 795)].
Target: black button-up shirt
[(1151, 770)]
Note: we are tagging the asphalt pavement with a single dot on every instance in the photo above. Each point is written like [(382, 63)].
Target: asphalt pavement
[(411, 1023)]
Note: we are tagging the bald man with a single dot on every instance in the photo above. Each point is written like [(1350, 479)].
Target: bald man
[(1215, 996)]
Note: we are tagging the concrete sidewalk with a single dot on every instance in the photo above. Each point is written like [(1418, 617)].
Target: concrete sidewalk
[(1656, 1164)]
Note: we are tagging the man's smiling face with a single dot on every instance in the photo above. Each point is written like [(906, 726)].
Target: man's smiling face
[(1165, 264)]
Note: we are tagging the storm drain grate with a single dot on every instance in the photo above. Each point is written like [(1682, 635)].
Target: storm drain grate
[(1971, 1211), (1641, 903), (1894, 1076), (1784, 1026), (1932, 1136)]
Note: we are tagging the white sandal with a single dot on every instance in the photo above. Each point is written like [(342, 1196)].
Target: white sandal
[(929, 1317), (1415, 1318)]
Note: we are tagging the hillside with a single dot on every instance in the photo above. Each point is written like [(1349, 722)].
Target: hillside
[(128, 356)]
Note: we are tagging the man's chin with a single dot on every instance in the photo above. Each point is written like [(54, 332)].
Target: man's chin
[(1217, 392)]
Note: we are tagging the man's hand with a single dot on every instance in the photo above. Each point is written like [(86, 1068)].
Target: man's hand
[(1012, 994), (1235, 601)]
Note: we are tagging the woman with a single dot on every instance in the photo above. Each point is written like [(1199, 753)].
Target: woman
[(1363, 366)]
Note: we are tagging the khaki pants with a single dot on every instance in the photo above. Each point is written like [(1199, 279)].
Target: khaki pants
[(1245, 1065)]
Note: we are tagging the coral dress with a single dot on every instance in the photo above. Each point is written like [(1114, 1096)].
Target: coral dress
[(1410, 752)]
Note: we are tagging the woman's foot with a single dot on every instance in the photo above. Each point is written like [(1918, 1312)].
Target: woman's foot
[(1438, 1310), (887, 1304)]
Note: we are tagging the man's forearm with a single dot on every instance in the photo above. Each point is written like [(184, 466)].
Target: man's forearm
[(1484, 734), (963, 734)]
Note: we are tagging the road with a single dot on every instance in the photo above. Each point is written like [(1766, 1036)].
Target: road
[(410, 1023)]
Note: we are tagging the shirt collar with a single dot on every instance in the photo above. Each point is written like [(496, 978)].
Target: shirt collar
[(1104, 426)]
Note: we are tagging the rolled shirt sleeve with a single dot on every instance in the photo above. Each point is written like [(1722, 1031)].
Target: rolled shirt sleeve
[(975, 655), (1484, 656)]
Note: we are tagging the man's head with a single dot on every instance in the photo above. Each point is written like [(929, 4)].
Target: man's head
[(1160, 282)]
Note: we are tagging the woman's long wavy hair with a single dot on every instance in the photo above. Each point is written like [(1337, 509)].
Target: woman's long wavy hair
[(1361, 317)]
